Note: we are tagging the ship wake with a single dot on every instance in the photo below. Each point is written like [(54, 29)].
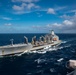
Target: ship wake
[(45, 50)]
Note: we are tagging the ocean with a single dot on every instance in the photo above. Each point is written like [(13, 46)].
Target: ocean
[(50, 61)]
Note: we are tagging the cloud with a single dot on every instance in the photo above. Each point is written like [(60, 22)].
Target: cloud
[(57, 25), (67, 22), (51, 11), (69, 17), (60, 8), (71, 11), (32, 5), (65, 16), (65, 26), (6, 18), (25, 8), (15, 7), (8, 24), (27, 1), (28, 6)]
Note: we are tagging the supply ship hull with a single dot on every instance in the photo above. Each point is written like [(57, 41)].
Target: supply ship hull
[(13, 49), (19, 48), (48, 40)]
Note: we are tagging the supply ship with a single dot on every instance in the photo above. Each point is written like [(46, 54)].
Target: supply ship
[(48, 40)]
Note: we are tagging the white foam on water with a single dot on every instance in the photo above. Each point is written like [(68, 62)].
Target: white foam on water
[(67, 46), (61, 47), (22, 53), (46, 47), (52, 70), (42, 52), (64, 46), (40, 60), (52, 49), (64, 41), (61, 59), (45, 50), (68, 40)]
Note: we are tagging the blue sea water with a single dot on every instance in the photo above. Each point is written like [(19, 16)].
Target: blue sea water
[(45, 62)]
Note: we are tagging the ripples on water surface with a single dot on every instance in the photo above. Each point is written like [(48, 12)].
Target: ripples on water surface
[(45, 62)]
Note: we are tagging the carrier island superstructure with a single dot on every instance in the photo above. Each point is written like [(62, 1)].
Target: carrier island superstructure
[(47, 40)]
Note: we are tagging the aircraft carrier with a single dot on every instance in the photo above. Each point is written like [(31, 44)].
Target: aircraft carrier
[(46, 41)]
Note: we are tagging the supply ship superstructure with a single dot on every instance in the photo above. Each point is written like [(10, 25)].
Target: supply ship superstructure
[(48, 40)]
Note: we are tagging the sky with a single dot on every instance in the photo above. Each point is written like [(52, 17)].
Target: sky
[(37, 16)]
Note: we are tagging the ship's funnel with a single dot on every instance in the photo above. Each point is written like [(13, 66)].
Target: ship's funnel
[(52, 32)]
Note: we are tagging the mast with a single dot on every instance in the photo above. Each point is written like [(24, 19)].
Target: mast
[(11, 41)]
